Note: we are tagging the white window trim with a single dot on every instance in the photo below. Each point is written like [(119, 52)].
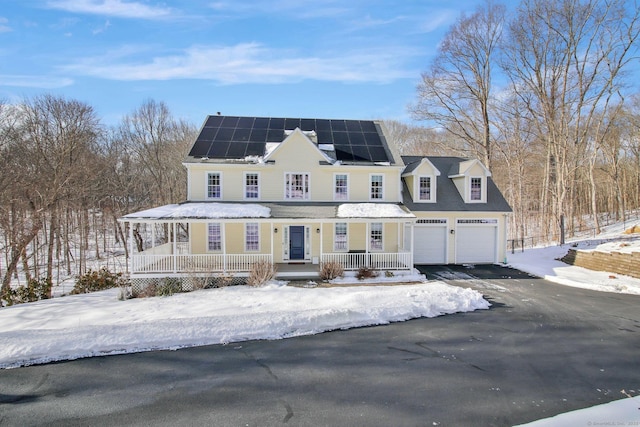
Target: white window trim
[(416, 189), (371, 249), (335, 235), (246, 226), (483, 190), (244, 186), (221, 238), (206, 186), (335, 176), (371, 175), (308, 194)]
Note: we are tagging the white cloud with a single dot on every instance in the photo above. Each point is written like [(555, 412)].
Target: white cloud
[(249, 63), (117, 8), (4, 28), (43, 82)]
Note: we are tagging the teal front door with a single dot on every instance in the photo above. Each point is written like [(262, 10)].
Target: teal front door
[(296, 242)]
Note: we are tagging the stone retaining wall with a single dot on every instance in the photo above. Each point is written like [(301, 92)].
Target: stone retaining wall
[(614, 262)]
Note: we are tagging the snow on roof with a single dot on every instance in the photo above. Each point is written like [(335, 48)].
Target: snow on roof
[(203, 210), (372, 210)]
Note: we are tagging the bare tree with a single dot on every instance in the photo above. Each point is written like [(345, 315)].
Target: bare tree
[(456, 91), (566, 58), (157, 143)]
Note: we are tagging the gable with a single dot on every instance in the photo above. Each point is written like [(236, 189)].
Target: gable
[(298, 150)]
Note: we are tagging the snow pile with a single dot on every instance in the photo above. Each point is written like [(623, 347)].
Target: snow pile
[(619, 413), (372, 210), (204, 210), (97, 324)]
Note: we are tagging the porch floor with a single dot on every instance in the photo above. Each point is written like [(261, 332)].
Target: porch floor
[(297, 271)]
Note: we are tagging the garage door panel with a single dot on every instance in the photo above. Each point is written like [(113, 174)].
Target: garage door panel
[(476, 244), (429, 246)]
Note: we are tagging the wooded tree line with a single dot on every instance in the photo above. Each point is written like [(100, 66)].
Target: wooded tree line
[(542, 95), (66, 178)]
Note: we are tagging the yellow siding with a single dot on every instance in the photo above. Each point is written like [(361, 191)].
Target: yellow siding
[(198, 238), (410, 182), (294, 156), (357, 237), (476, 170)]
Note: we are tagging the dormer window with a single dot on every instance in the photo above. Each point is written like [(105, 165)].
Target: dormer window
[(425, 190), (475, 194)]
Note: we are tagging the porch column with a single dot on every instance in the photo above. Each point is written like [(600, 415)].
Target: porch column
[(321, 239), (130, 263), (271, 233), (175, 249), (412, 235), (367, 237), (224, 246)]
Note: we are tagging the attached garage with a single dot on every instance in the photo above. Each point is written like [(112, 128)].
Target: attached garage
[(476, 241), (430, 241)]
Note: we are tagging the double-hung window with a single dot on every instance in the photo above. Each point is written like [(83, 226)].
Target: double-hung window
[(341, 188), (214, 185), (214, 240), (340, 241), (296, 186), (375, 238), (252, 236), (251, 185), (376, 187), (476, 189), (424, 190)]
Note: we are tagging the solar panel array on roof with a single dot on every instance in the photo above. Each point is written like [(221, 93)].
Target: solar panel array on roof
[(230, 137)]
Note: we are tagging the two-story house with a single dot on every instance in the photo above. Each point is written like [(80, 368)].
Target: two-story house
[(302, 192)]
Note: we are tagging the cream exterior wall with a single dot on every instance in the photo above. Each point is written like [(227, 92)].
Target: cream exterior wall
[(296, 155)]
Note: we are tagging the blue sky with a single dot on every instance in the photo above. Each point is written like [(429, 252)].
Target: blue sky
[(358, 59)]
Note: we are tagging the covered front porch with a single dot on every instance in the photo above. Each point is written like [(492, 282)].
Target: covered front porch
[(177, 245)]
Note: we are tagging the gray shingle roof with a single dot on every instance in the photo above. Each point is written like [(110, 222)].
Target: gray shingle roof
[(448, 199)]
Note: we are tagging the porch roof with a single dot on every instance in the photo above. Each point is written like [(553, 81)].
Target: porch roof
[(285, 210)]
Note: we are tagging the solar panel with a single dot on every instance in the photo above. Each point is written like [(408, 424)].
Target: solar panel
[(229, 121), (237, 137), (245, 122)]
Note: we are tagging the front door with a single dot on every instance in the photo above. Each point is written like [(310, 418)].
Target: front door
[(296, 242)]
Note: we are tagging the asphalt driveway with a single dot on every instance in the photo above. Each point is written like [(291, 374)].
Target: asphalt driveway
[(542, 349)]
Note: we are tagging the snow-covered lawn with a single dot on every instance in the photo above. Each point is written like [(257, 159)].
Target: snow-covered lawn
[(98, 323), (543, 262)]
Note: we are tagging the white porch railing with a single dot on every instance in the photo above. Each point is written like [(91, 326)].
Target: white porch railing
[(376, 260), (209, 263)]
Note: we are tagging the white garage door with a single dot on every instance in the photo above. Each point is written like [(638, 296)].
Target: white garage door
[(430, 241), (476, 241)]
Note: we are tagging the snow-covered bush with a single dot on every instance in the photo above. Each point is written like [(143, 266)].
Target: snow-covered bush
[(331, 270), (35, 290), (366, 273), (261, 272), (168, 286), (99, 280)]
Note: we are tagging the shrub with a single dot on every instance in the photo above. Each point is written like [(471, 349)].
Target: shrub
[(261, 272), (366, 273), (222, 280), (331, 270), (388, 274), (168, 286), (99, 280), (35, 290)]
